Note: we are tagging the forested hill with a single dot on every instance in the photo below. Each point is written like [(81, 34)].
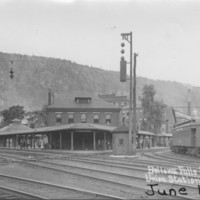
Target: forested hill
[(33, 76)]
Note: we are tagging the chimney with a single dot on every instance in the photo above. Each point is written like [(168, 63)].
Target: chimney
[(49, 97)]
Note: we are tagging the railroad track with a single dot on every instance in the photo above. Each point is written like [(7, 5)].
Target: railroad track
[(169, 159), (7, 193), (132, 165), (112, 178), (123, 163), (32, 189), (121, 177)]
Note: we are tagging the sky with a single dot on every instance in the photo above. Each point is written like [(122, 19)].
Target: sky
[(166, 34)]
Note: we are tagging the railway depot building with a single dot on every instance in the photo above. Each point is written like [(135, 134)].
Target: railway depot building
[(91, 120), (77, 123)]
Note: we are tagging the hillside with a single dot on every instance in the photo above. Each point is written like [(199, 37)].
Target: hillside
[(33, 76)]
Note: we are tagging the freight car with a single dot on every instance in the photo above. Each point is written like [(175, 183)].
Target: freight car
[(186, 134)]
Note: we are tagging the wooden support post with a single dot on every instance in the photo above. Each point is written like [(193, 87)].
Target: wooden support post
[(138, 141), (15, 141), (60, 140), (50, 140), (72, 140), (34, 141), (150, 141), (143, 140), (94, 140), (104, 141)]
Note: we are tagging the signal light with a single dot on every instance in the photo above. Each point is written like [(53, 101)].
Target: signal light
[(122, 65), (122, 51), (122, 44)]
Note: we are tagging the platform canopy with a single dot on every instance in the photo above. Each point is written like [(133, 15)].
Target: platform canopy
[(75, 126)]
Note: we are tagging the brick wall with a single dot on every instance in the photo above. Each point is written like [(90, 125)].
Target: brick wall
[(51, 117)]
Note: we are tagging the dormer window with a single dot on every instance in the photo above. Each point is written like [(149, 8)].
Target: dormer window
[(83, 100)]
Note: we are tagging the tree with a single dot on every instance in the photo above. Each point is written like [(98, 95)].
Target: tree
[(12, 113), (152, 110), (37, 118)]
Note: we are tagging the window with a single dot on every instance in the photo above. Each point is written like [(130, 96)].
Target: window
[(58, 117), (83, 118), (70, 118), (108, 119), (96, 118), (121, 141)]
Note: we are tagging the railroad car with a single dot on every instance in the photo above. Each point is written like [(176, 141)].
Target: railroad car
[(186, 135)]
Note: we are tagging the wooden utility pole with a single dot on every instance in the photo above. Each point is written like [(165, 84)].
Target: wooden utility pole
[(134, 107), (128, 38), (189, 102)]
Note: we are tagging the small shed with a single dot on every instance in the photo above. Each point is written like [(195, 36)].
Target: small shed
[(120, 140)]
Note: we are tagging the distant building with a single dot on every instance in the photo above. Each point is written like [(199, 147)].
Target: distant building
[(119, 101), (87, 123)]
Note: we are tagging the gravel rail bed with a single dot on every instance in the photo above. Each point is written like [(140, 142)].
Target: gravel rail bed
[(73, 181), (44, 191), (86, 184), (136, 178), (121, 191)]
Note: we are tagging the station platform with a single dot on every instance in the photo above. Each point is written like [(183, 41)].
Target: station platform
[(86, 152)]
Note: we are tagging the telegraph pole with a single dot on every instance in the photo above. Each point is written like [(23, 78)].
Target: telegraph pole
[(134, 107)]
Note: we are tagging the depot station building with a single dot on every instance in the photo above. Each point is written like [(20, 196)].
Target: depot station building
[(76, 123)]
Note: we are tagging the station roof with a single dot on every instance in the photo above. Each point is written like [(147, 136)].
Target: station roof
[(164, 135), (15, 127), (70, 103), (76, 126), (125, 129)]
